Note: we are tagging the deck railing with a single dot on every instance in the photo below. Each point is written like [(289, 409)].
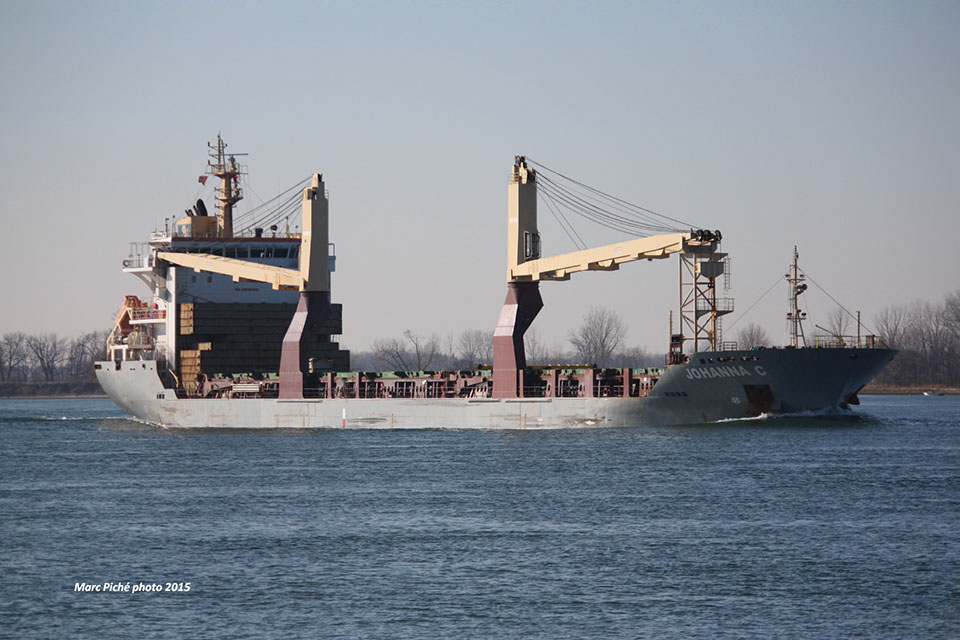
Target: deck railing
[(148, 314), (830, 341)]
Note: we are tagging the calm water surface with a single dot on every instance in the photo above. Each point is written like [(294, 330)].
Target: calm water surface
[(825, 527)]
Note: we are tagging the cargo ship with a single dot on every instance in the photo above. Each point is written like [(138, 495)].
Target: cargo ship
[(239, 330)]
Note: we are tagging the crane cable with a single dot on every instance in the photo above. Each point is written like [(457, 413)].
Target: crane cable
[(252, 211), (598, 215), (562, 221), (612, 214), (283, 210), (633, 209)]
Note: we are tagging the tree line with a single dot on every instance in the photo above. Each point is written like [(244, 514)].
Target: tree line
[(49, 357), (600, 339), (926, 334)]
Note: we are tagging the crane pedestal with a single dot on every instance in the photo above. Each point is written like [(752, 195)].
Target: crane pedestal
[(521, 306), (313, 310)]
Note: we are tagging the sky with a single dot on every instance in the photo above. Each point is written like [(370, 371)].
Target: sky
[(828, 125)]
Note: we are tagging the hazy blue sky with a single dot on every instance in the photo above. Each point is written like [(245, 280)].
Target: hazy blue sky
[(830, 125)]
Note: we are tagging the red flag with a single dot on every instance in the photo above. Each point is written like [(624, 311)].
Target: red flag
[(202, 180)]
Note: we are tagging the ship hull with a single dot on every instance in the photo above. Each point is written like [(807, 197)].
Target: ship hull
[(711, 387)]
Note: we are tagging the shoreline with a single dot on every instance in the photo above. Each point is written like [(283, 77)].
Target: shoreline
[(50, 390), (888, 390), (65, 396)]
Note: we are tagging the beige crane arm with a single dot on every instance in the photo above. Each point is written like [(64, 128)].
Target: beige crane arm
[(239, 270), (606, 258), (524, 263), (314, 271)]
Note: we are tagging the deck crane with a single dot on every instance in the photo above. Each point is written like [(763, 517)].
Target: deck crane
[(312, 280), (526, 268)]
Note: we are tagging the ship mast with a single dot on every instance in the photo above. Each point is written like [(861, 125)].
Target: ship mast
[(226, 168), (795, 316)]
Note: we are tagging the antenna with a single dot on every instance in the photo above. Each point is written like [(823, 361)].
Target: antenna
[(796, 316), (226, 168)]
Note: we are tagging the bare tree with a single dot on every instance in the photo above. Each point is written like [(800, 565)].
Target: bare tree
[(539, 352), (95, 344), (952, 313), (891, 323), (75, 358), (598, 336), (534, 348), (13, 354), (391, 353), (475, 346), (448, 350), (425, 350), (413, 353), (838, 321), (49, 351), (932, 339), (751, 336), (83, 351)]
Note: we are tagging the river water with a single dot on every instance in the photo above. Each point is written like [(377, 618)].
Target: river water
[(814, 527)]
